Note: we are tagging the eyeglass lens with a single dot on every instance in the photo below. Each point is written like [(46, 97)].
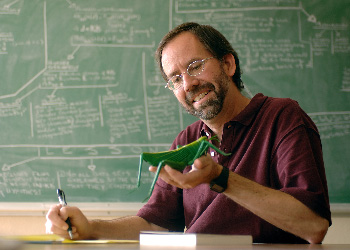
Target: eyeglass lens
[(194, 69)]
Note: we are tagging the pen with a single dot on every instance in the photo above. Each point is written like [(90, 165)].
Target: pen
[(62, 200)]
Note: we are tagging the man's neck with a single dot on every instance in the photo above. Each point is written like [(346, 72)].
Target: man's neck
[(234, 104)]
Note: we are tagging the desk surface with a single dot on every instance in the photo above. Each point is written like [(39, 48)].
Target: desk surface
[(138, 247)]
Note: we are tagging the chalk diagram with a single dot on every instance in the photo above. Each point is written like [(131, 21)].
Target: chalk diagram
[(266, 54), (51, 116), (54, 115)]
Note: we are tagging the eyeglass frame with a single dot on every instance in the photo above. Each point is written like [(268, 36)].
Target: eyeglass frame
[(188, 73)]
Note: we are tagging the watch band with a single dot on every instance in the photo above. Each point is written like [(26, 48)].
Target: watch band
[(219, 184)]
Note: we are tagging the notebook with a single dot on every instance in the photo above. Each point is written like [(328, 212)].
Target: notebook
[(151, 238)]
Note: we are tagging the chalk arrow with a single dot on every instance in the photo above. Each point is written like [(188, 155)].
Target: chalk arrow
[(312, 19), (92, 166), (7, 167)]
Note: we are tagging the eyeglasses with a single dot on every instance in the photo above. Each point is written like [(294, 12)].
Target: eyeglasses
[(194, 69)]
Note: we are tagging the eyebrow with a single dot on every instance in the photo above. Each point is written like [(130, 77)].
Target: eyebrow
[(174, 73)]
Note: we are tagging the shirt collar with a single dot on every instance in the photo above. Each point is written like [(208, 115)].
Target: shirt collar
[(245, 117), (249, 113)]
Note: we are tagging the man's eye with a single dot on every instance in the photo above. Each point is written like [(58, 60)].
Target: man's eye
[(197, 66), (176, 79)]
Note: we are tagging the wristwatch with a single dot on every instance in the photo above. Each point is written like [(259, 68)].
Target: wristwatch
[(219, 184)]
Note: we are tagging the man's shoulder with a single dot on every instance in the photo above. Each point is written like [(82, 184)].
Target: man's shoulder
[(281, 103), (265, 107), (287, 111), (260, 101), (282, 107)]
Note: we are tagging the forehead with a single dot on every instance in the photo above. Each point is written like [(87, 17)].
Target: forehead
[(182, 50)]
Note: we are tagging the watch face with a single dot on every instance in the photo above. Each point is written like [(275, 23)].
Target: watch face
[(219, 184), (217, 188)]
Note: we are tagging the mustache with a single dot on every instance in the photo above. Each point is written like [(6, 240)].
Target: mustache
[(190, 95)]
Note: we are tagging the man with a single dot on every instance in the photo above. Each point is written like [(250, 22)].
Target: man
[(272, 186)]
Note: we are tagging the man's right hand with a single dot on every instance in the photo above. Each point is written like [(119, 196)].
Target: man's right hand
[(55, 222)]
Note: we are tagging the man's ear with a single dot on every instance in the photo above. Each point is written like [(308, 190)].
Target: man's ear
[(229, 64)]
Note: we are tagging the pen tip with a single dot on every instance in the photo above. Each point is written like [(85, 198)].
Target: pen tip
[(70, 235)]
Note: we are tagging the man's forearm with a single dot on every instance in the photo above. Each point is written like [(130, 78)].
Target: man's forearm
[(122, 228), (278, 208)]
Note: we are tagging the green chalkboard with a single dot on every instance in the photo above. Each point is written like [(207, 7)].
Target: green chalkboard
[(81, 96)]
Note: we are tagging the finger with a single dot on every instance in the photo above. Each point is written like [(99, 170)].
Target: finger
[(169, 171), (152, 169), (202, 162), (54, 218), (185, 181), (178, 179), (208, 166), (203, 171), (52, 229), (164, 176), (54, 210), (64, 213), (48, 227)]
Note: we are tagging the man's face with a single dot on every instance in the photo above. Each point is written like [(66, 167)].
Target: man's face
[(202, 95)]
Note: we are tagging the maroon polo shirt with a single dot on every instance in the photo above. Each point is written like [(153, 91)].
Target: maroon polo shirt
[(272, 142)]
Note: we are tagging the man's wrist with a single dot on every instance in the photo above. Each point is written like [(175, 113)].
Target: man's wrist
[(219, 184)]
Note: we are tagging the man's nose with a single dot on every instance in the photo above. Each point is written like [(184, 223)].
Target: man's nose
[(189, 81)]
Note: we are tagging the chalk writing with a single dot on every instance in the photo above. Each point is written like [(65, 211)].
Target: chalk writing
[(332, 124), (346, 79), (81, 94)]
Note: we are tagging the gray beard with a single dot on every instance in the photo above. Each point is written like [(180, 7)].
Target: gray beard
[(208, 110), (213, 107)]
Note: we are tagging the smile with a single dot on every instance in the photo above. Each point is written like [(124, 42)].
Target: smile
[(200, 97)]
